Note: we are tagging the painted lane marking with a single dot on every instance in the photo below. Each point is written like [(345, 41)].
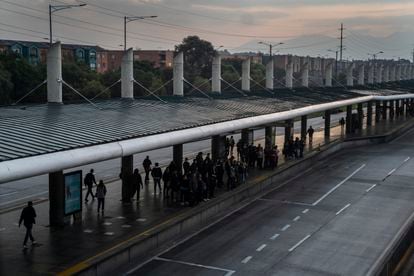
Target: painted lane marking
[(12, 193), (285, 202), (26, 197), (126, 226), (141, 219), (406, 159), (285, 227), (120, 217), (260, 248), (274, 236), (88, 231), (2, 229), (246, 260), (299, 243), (305, 211), (391, 172), (297, 218), (109, 233), (370, 188), (107, 223), (229, 272), (340, 211), (338, 185)]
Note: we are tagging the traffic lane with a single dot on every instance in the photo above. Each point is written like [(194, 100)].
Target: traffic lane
[(350, 243)]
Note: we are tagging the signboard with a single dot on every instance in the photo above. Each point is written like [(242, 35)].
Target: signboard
[(73, 192)]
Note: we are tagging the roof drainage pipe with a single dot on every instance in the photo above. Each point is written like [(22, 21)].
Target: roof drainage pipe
[(43, 164)]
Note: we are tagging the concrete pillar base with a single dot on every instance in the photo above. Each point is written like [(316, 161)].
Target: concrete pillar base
[(288, 130), (127, 167), (270, 137), (56, 199), (360, 115)]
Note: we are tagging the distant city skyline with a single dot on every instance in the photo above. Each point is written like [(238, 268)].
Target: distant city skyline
[(224, 22)]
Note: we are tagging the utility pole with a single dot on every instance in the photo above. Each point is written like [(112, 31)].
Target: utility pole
[(128, 19), (341, 47)]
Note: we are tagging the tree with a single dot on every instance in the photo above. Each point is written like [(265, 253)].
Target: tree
[(6, 86), (198, 57)]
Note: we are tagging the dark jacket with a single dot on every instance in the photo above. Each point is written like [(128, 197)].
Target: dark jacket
[(156, 172), (28, 216), (89, 179)]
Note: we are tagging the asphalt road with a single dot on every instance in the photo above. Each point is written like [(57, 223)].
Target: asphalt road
[(336, 218), (36, 188)]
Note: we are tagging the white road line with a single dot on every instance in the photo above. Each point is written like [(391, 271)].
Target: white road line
[(126, 226), (406, 159), (274, 236), (246, 260), (391, 172), (338, 185), (109, 233), (2, 229), (229, 272), (305, 211), (370, 188), (340, 211), (285, 202), (88, 231), (20, 199), (107, 223), (285, 227), (297, 218), (260, 248), (299, 243), (12, 193), (120, 217), (141, 219)]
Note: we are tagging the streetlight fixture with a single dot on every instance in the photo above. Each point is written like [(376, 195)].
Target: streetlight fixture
[(374, 56), (270, 46), (55, 8), (336, 61), (128, 19)]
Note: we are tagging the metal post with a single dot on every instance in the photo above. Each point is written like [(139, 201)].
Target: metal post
[(125, 23), (348, 127), (50, 25), (127, 167), (303, 127), (56, 199), (369, 113), (327, 123), (377, 111)]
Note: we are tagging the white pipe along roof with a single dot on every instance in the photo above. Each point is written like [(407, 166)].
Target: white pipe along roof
[(42, 164)]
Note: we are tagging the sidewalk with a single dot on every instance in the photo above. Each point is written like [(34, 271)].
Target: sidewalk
[(59, 249)]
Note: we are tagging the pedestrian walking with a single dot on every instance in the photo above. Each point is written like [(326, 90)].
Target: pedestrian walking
[(137, 183), (89, 180), (259, 156), (100, 195), (342, 123), (147, 168), (156, 174), (28, 216), (310, 133)]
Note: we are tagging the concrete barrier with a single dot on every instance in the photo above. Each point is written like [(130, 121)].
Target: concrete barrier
[(138, 246)]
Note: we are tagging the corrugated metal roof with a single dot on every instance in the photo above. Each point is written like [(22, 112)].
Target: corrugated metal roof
[(39, 129)]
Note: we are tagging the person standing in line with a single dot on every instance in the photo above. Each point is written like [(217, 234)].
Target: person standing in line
[(156, 175), (342, 123), (259, 156), (28, 216), (147, 168), (232, 143), (186, 166), (137, 183), (89, 181), (100, 195), (310, 132)]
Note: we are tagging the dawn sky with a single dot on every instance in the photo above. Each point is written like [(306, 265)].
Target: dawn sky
[(224, 22)]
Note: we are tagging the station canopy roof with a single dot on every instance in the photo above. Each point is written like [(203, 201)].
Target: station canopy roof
[(28, 130)]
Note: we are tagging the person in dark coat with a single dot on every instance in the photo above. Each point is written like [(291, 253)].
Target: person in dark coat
[(186, 166), (28, 218), (147, 167), (157, 175), (88, 181), (137, 183)]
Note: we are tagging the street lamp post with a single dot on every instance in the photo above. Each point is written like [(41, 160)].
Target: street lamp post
[(336, 62), (270, 46), (374, 57), (55, 8), (128, 19)]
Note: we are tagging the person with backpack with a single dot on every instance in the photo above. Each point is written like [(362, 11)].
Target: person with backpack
[(89, 181), (100, 195), (156, 174), (310, 132), (28, 218)]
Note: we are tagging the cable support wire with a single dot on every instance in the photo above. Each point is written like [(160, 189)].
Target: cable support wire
[(258, 84), (80, 94), (201, 85), (106, 89), (199, 90), (283, 84), (30, 92), (235, 88), (228, 86), (149, 91)]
